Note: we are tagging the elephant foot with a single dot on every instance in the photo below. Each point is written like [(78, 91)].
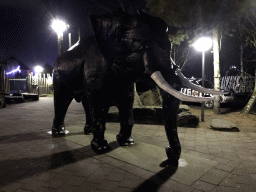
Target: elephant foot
[(173, 155), (124, 141), (87, 129), (100, 147), (58, 131)]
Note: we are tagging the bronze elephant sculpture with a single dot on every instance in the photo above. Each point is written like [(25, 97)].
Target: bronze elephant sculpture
[(101, 69)]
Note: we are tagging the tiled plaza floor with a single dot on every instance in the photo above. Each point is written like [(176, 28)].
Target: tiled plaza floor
[(31, 160)]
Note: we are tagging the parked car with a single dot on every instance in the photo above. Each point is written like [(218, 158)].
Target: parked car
[(226, 98)]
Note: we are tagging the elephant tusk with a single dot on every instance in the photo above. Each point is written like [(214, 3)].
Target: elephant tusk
[(195, 87), (161, 82)]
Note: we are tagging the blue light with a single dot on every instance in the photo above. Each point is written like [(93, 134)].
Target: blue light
[(13, 71)]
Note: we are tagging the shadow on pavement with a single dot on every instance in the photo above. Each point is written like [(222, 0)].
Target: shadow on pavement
[(17, 169), (157, 180)]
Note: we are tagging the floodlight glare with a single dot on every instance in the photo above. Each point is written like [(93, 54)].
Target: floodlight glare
[(203, 44), (59, 26), (39, 69)]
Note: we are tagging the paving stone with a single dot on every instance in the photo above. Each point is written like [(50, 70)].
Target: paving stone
[(202, 149), (122, 189), (84, 172), (112, 161), (76, 180), (33, 185), (108, 185), (239, 171), (87, 187), (176, 186), (67, 188), (200, 185), (115, 176), (130, 183), (228, 182), (221, 160), (22, 190), (253, 176), (11, 187), (202, 155), (45, 189), (243, 179), (226, 189), (46, 176), (96, 178), (228, 167), (196, 190), (103, 171), (64, 175), (55, 183), (214, 176)]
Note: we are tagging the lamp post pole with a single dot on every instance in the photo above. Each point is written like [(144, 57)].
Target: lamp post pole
[(60, 43), (203, 44)]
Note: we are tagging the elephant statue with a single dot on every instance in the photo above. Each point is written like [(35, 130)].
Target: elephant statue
[(101, 70)]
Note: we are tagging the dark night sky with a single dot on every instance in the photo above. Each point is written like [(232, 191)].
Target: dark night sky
[(25, 31)]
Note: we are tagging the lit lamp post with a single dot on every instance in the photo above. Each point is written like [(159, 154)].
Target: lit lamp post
[(59, 27), (203, 44)]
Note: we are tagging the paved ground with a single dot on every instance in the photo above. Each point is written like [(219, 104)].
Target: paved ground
[(31, 160)]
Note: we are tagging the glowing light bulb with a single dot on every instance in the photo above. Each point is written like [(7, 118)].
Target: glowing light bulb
[(59, 26), (203, 44)]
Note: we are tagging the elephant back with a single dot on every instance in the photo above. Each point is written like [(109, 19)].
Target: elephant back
[(109, 32)]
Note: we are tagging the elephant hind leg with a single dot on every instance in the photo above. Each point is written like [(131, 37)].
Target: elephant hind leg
[(99, 107), (88, 123)]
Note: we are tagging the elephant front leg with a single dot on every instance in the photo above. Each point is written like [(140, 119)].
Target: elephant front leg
[(98, 111), (125, 106), (62, 101), (170, 108)]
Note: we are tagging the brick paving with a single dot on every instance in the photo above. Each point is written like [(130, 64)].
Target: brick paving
[(31, 160)]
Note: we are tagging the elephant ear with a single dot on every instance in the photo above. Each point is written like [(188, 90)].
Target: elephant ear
[(108, 30), (152, 29)]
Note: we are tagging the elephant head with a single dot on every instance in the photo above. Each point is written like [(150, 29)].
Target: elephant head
[(103, 68)]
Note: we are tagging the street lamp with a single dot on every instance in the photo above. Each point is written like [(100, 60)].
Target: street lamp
[(203, 44), (59, 27), (39, 69)]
